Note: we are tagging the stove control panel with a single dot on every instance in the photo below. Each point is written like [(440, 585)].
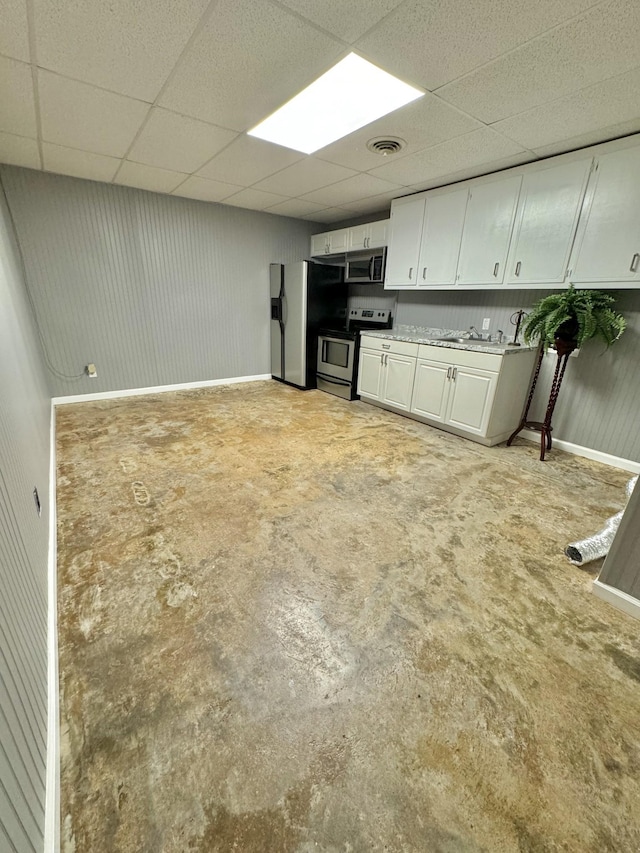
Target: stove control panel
[(370, 315)]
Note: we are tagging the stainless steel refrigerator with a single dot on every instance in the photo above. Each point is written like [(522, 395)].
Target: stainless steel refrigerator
[(304, 297)]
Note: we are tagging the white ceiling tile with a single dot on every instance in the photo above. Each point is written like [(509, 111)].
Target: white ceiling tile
[(295, 207), (349, 20), (424, 122), (254, 199), (149, 177), (80, 116), (357, 187), (178, 142), (465, 174), (126, 47), (14, 33), (79, 164), (303, 177), (247, 61), (19, 151), (380, 202), (597, 45), (605, 134), (464, 152), (17, 109), (248, 160), (206, 190), (613, 102), (329, 214), (435, 42)]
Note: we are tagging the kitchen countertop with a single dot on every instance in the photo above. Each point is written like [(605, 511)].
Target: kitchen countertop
[(425, 335)]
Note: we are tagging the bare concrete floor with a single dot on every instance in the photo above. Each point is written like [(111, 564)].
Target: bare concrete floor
[(293, 623)]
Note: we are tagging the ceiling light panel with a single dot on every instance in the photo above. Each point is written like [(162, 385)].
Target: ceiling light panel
[(350, 95)]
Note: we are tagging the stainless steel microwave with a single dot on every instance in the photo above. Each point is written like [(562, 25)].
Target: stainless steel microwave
[(366, 267)]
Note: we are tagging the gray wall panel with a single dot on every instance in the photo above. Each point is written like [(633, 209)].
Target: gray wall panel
[(621, 569), (599, 404), (153, 289), (24, 463)]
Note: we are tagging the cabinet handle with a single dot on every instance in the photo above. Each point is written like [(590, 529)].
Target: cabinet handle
[(424, 273), (634, 262), (366, 242), (382, 359), (448, 373), (410, 273), (518, 265), (386, 346), (454, 374), (495, 269)]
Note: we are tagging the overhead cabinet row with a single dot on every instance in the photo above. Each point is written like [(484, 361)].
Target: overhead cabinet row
[(572, 221), (371, 235)]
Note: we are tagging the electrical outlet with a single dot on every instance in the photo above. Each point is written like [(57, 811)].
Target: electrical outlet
[(91, 371), (486, 323)]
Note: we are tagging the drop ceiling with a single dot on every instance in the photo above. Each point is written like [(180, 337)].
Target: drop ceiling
[(159, 94)]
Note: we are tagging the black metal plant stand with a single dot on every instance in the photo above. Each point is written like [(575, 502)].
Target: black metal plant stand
[(564, 350)]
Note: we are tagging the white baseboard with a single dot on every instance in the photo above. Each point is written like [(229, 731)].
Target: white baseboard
[(52, 798), (155, 389), (587, 452), (622, 600)]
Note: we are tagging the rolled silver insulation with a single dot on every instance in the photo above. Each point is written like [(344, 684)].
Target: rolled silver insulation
[(598, 545)]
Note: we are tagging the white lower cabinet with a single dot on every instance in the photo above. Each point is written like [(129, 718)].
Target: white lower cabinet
[(473, 394), (386, 371)]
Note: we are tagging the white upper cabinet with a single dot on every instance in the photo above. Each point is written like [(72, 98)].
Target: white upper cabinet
[(371, 235), (378, 234), (404, 244), (487, 231), (338, 240), (608, 239), (441, 235), (319, 244), (546, 223)]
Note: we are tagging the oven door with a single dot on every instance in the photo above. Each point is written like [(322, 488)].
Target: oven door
[(336, 357)]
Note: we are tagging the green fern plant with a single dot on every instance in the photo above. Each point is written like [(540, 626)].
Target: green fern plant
[(574, 315)]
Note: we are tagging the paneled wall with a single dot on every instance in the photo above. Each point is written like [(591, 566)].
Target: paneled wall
[(599, 404), (24, 464), (153, 289)]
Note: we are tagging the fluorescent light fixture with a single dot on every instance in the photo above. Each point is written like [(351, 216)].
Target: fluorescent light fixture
[(351, 94)]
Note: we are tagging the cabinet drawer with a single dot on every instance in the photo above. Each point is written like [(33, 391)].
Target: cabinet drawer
[(463, 357), (385, 345)]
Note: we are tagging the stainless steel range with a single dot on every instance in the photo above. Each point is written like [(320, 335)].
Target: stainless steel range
[(338, 349)]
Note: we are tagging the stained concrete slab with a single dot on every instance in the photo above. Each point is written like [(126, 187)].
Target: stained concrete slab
[(293, 623)]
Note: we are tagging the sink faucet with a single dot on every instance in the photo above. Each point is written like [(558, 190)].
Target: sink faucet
[(472, 330)]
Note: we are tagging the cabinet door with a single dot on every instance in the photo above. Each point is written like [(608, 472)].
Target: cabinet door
[(431, 389), (441, 237), (319, 243), (399, 371), (378, 234), (546, 223), (404, 244), (358, 236), (470, 399), (370, 373), (487, 231), (339, 240), (608, 245)]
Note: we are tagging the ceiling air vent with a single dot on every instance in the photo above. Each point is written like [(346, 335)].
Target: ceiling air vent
[(386, 145)]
